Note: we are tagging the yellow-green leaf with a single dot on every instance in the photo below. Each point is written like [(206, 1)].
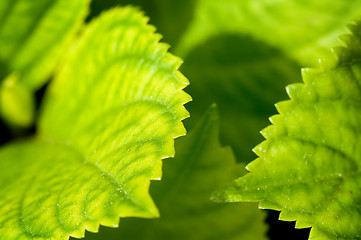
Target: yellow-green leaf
[(200, 166), (109, 119), (309, 165)]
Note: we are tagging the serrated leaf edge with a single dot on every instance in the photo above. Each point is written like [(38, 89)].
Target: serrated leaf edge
[(339, 55), (179, 107)]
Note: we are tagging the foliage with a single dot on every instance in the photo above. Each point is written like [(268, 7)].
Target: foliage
[(115, 103), (200, 166), (68, 176), (309, 166)]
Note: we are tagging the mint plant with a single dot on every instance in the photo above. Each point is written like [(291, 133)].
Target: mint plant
[(115, 104)]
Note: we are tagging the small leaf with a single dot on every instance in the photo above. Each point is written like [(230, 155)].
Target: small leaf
[(309, 166), (201, 165), (110, 116), (16, 103), (303, 29)]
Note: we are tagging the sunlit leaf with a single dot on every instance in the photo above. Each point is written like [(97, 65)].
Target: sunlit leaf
[(201, 165), (109, 118), (309, 165)]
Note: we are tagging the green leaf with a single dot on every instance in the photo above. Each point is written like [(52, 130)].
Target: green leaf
[(309, 166), (17, 104), (110, 116), (303, 29), (33, 37), (244, 77), (201, 165)]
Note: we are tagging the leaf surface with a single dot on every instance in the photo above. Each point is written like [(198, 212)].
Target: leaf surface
[(109, 117), (201, 165), (303, 29), (309, 166)]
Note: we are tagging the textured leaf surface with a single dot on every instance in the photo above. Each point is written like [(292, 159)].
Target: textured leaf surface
[(309, 166), (245, 78), (304, 29), (201, 165), (110, 117)]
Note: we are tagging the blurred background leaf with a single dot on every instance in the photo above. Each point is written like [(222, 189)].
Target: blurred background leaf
[(33, 37), (244, 77), (303, 29)]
